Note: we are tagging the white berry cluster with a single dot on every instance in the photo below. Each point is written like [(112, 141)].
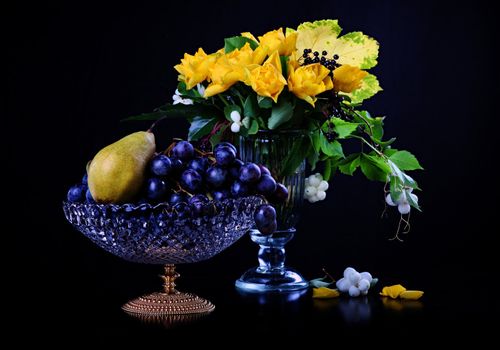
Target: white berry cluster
[(236, 118), (315, 188), (354, 282), (402, 202)]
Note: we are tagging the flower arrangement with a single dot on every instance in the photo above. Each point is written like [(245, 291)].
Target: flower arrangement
[(311, 79)]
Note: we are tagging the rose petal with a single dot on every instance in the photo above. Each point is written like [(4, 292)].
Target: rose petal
[(393, 291), (411, 294), (325, 293)]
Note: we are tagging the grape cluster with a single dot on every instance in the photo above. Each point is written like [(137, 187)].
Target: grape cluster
[(188, 179)]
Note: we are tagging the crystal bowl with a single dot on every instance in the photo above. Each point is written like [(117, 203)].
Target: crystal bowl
[(162, 234)]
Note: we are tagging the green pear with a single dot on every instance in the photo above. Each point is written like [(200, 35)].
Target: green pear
[(116, 174)]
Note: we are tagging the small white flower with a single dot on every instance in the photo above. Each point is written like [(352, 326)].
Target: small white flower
[(178, 99), (402, 202), (404, 207), (388, 200)]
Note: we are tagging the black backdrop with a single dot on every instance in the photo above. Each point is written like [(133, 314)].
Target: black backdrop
[(75, 70)]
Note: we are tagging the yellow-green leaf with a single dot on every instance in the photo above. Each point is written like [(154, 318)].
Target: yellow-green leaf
[(357, 49), (369, 87), (411, 294), (318, 35), (325, 293), (393, 291)]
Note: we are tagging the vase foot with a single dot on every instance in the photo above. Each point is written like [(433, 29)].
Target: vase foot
[(257, 282), (161, 304)]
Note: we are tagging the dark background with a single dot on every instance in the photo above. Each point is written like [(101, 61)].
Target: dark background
[(74, 71)]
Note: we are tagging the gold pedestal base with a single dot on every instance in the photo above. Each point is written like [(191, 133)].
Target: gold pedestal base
[(160, 304), (170, 302)]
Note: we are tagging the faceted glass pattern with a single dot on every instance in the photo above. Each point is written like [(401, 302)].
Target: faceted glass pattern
[(157, 234)]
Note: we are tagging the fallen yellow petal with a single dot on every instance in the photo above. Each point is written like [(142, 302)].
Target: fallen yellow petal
[(393, 291), (325, 293), (411, 294)]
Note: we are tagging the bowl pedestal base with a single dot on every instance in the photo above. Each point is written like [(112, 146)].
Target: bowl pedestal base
[(168, 302)]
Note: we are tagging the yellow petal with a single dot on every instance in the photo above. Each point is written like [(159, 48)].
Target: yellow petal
[(325, 293), (393, 291), (411, 294), (347, 78)]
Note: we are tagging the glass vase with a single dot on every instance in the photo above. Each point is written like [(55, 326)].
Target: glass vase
[(271, 149)]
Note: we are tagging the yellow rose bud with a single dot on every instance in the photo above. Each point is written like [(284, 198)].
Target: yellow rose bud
[(306, 82), (347, 78), (276, 41), (194, 69), (267, 80)]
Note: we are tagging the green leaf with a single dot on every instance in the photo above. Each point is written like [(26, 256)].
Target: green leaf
[(316, 140), (369, 87), (405, 160), (373, 282), (344, 128), (217, 137), (331, 149), (395, 188), (312, 159), (281, 113), (411, 201), (390, 151), (237, 42), (264, 102), (383, 143), (327, 172), (193, 93), (374, 167), (200, 127), (254, 127), (349, 165), (410, 182), (320, 282), (177, 111), (229, 109), (284, 65), (251, 108), (297, 154)]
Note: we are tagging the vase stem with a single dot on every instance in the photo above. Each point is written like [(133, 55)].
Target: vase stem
[(169, 278)]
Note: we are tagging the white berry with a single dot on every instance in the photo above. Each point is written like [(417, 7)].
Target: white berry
[(321, 195), (347, 272), (363, 285), (235, 127), (366, 276), (310, 191), (354, 277), (314, 180), (343, 285), (354, 291), (323, 186), (404, 208), (235, 116), (388, 200)]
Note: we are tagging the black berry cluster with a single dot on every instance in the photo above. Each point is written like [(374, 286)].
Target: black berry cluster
[(310, 57)]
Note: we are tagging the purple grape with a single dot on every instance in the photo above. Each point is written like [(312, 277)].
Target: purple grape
[(249, 173), (160, 165), (234, 169), (88, 196), (183, 150), (198, 198), (199, 164), (77, 193), (264, 170), (85, 179), (176, 164), (191, 180), (281, 194), (266, 184), (156, 188), (239, 189), (216, 176), (220, 195), (183, 210), (265, 219), (176, 198), (225, 155), (225, 144)]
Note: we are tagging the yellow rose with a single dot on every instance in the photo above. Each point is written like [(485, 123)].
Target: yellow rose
[(347, 78), (267, 80), (306, 82), (276, 41), (228, 69), (194, 69)]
